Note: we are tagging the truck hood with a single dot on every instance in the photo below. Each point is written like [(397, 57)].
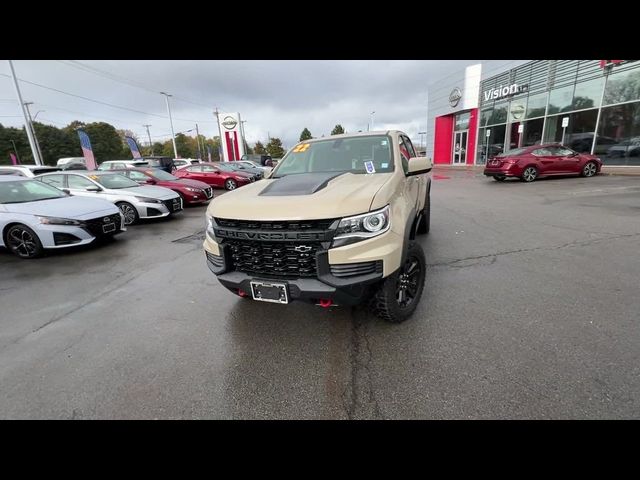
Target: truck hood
[(78, 208), (301, 197)]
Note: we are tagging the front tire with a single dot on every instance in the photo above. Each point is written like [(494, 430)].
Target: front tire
[(398, 295), (230, 184), (129, 212), (23, 242), (529, 174), (589, 170)]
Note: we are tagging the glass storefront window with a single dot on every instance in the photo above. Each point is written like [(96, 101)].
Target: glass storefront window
[(622, 87), (618, 141), (462, 121), (517, 109), (560, 99), (579, 132), (499, 114), (536, 105), (587, 94), (492, 145), (532, 133)]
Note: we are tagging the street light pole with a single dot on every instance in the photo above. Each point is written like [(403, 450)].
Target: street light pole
[(33, 129), (371, 114), (173, 136), (244, 138), (422, 144), (32, 142), (149, 135), (220, 149), (198, 142)]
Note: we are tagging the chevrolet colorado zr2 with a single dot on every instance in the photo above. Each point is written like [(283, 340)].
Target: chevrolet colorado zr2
[(334, 223)]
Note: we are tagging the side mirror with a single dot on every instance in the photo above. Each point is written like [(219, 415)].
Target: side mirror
[(93, 189), (419, 165)]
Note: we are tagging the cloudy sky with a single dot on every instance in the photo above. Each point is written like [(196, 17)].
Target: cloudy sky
[(276, 98)]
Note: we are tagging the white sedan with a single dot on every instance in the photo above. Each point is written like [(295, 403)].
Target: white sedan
[(35, 216), (134, 201)]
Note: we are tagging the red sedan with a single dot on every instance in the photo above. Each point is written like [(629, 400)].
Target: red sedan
[(212, 175), (191, 191), (529, 163)]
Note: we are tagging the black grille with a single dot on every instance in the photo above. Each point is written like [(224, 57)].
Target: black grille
[(64, 238), (173, 205), (94, 226), (279, 226), (353, 269), (208, 192), (280, 259)]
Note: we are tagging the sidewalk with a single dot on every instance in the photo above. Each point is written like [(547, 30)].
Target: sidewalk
[(606, 170)]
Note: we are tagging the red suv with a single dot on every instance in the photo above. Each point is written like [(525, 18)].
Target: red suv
[(529, 163)]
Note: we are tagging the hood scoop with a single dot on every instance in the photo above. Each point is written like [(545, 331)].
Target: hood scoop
[(299, 184)]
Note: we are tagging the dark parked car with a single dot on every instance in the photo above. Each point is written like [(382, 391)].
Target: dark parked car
[(264, 160), (258, 173), (191, 191), (529, 163), (212, 175), (163, 163)]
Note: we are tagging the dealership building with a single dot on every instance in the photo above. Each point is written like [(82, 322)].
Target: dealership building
[(591, 106)]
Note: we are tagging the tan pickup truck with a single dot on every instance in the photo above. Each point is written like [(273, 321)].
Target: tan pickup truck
[(333, 224)]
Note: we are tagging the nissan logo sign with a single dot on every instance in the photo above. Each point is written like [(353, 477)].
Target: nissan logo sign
[(454, 97), (229, 123)]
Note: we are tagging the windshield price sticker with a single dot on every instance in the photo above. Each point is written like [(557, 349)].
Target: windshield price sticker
[(302, 148), (369, 167)]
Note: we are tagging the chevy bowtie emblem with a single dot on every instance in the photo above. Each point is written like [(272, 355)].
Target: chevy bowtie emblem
[(302, 248)]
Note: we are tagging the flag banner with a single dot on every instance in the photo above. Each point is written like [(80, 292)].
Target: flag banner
[(87, 151), (14, 160), (133, 145)]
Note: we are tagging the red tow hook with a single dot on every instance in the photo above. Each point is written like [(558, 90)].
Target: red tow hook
[(242, 293), (326, 302)]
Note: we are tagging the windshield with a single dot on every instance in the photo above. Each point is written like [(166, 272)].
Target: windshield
[(511, 153), (227, 168), (356, 155), (114, 180), (160, 175), (22, 191)]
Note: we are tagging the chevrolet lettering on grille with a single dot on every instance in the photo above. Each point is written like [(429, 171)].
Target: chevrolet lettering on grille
[(269, 236)]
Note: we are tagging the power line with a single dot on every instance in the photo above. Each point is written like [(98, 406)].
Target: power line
[(104, 103)]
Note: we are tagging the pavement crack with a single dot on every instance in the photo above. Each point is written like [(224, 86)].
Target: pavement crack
[(359, 398), (476, 260)]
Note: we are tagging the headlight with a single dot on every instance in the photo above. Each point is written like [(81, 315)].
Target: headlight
[(148, 200), (58, 221), (360, 227), (210, 226), (197, 190)]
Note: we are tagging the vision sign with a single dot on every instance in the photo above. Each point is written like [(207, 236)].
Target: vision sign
[(504, 91)]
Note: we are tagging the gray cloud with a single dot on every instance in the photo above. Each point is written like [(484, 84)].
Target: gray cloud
[(275, 97)]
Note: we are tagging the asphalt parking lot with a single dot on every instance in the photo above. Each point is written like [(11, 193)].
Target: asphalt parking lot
[(531, 310)]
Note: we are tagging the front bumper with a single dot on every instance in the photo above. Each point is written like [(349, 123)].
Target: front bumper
[(378, 257), (159, 210)]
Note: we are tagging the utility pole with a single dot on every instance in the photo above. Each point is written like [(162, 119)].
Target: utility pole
[(149, 135), (173, 136), (198, 142), (220, 149), (33, 130), (32, 143)]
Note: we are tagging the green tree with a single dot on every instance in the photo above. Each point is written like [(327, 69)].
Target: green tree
[(274, 148), (305, 135), (214, 143), (337, 130), (56, 143), (105, 141), (157, 148), (19, 137), (259, 149)]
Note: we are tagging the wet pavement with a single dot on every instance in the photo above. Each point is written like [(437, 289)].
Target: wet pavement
[(530, 310)]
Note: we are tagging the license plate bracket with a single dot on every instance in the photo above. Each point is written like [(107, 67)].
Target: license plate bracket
[(108, 227), (270, 292)]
